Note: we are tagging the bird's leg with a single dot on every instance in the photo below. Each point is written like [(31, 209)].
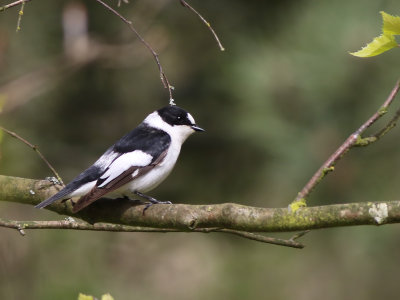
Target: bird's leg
[(151, 201)]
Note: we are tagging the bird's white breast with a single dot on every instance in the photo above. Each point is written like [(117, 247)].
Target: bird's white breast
[(156, 175)]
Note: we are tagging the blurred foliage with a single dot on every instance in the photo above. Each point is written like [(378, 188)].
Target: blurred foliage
[(275, 105), (86, 297)]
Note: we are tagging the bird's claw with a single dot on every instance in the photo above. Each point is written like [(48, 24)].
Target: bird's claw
[(152, 202)]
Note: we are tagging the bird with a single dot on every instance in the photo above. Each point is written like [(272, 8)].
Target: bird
[(135, 164)]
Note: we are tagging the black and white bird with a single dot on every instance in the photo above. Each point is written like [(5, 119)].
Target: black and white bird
[(136, 164)]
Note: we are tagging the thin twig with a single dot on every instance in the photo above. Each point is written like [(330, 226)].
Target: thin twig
[(299, 235), (163, 77), (373, 138), (75, 225), (20, 14), (36, 149), (185, 4), (3, 8), (354, 139), (264, 239)]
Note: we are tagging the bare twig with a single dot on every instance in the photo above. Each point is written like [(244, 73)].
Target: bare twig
[(70, 223), (36, 149), (185, 4), (264, 239), (373, 138), (20, 14), (163, 77), (4, 7), (299, 235), (353, 140)]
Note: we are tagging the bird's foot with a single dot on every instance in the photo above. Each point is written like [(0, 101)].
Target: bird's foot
[(151, 200)]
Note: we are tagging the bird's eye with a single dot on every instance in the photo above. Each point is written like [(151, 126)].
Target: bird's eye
[(178, 118)]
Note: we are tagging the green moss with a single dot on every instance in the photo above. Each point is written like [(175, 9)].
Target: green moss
[(364, 141), (383, 110), (295, 205), (328, 169)]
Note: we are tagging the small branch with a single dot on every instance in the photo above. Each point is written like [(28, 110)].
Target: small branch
[(299, 235), (185, 4), (353, 140), (373, 138), (264, 239), (163, 77), (381, 111), (20, 14), (7, 6), (36, 149), (70, 223)]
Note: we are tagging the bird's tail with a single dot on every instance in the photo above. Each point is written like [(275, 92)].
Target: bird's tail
[(63, 194)]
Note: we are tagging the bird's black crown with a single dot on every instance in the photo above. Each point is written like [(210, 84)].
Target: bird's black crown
[(175, 115)]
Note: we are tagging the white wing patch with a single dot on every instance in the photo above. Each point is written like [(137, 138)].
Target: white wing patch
[(83, 190), (136, 158), (106, 159)]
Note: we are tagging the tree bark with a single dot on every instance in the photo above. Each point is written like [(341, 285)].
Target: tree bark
[(186, 217)]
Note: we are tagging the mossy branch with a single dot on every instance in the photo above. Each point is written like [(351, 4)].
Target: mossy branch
[(228, 217)]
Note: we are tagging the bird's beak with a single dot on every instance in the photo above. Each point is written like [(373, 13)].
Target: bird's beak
[(197, 128)]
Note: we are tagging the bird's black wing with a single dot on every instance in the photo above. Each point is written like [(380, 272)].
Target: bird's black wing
[(153, 143), (125, 177), (149, 140)]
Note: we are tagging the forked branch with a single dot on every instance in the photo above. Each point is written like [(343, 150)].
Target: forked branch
[(354, 140)]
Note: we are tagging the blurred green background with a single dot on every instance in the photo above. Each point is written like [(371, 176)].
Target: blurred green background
[(275, 105)]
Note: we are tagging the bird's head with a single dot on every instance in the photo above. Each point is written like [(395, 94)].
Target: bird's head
[(174, 120)]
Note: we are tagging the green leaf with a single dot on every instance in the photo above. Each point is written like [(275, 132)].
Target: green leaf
[(391, 24), (379, 45), (107, 297), (84, 297)]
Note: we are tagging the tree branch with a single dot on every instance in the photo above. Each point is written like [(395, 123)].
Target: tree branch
[(355, 139), (227, 216), (70, 223)]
